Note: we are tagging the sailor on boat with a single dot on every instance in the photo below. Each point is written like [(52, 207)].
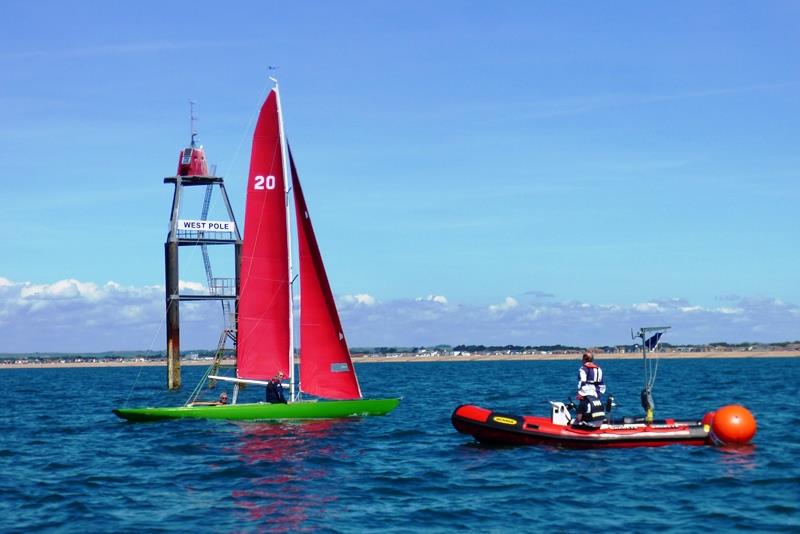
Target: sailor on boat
[(275, 390), (590, 387)]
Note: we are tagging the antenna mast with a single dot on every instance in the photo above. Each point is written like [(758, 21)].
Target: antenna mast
[(649, 343), (192, 124)]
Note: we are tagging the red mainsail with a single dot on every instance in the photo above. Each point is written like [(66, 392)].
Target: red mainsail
[(326, 369), (263, 329)]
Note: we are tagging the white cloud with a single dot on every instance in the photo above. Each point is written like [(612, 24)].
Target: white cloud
[(423, 322), (186, 285), (71, 315), (63, 289), (647, 307), (359, 299), (508, 304), (440, 299)]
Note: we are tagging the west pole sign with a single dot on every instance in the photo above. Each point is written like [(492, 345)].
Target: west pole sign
[(205, 226)]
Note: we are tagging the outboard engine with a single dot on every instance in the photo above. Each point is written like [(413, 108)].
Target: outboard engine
[(610, 404), (648, 404)]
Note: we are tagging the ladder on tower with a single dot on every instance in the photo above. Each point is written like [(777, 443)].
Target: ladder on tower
[(219, 355), (216, 286)]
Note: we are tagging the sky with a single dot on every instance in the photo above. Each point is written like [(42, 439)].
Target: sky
[(477, 172)]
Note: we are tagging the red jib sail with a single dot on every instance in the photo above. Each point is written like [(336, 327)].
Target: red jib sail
[(326, 369), (263, 330)]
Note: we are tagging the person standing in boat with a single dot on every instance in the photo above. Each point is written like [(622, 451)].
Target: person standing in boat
[(590, 387), (275, 390)]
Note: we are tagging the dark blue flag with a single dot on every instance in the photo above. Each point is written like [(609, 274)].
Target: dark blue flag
[(653, 341)]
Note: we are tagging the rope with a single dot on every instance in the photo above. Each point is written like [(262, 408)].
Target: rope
[(247, 129), (652, 368), (149, 348), (198, 387), (654, 373), (193, 254)]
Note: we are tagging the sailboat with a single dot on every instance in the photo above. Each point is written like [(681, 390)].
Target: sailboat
[(265, 331)]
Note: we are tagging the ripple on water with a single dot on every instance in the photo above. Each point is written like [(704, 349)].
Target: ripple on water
[(404, 472)]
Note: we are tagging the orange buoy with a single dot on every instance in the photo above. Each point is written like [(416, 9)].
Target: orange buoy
[(733, 425)]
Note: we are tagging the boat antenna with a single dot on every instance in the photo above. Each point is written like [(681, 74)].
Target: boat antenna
[(273, 79), (192, 123), (649, 344)]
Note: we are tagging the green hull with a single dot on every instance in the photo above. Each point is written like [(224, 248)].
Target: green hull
[(264, 411)]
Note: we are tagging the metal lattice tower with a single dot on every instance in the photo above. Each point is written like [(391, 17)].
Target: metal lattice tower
[(226, 290)]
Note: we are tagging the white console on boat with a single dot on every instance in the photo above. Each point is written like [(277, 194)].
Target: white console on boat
[(559, 414)]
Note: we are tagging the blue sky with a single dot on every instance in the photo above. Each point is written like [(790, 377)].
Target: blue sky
[(477, 172)]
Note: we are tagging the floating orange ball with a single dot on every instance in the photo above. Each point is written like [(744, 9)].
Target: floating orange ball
[(733, 425)]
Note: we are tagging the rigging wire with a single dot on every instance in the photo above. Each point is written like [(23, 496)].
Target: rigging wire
[(191, 258), (654, 372), (247, 129), (149, 348), (199, 387), (651, 364)]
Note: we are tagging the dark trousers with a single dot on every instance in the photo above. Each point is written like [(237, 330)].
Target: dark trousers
[(591, 411)]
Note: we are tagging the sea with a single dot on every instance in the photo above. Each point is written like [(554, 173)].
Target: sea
[(68, 464)]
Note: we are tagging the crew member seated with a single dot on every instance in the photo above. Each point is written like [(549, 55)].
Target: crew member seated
[(590, 386), (223, 399), (275, 390)]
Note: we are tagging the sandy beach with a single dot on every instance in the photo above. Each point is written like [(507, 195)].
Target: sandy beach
[(423, 359)]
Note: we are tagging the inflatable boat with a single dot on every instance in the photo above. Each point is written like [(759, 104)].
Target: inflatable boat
[(730, 425)]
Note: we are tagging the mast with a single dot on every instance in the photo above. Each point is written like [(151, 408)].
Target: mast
[(649, 376), (192, 123), (286, 188)]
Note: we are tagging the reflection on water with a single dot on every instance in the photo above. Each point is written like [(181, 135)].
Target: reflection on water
[(738, 458), (282, 458)]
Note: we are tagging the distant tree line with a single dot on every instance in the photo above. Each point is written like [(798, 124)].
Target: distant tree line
[(548, 348), (516, 348), (229, 352)]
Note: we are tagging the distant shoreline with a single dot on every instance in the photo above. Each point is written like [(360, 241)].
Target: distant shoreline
[(424, 359), (577, 356)]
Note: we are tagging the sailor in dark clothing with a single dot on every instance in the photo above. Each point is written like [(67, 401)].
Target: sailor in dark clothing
[(590, 387), (275, 390)]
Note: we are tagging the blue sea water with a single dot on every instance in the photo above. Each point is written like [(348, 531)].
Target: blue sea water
[(69, 465)]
